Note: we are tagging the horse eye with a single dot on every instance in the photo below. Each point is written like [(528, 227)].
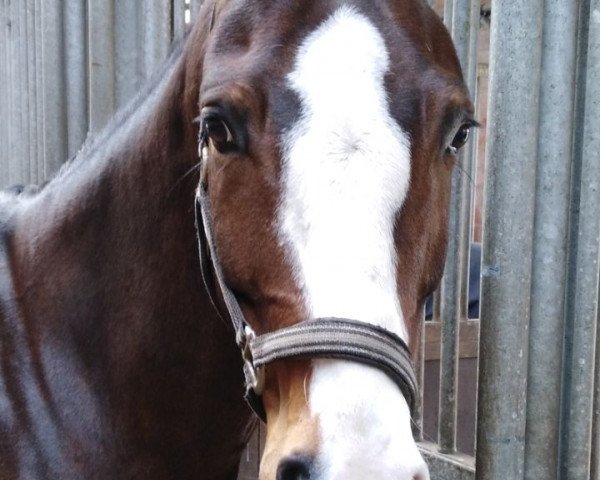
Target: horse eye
[(219, 133), (460, 139)]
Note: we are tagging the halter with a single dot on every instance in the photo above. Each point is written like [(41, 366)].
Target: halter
[(333, 338)]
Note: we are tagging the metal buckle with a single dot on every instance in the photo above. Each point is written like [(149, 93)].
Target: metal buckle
[(255, 377)]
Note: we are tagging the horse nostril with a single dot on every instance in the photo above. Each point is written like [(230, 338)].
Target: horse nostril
[(294, 467), (423, 474)]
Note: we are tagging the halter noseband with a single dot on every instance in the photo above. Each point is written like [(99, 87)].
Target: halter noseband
[(336, 338)]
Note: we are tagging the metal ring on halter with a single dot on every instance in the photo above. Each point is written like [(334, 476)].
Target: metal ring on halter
[(255, 376)]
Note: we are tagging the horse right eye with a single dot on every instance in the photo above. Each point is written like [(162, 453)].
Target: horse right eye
[(218, 134)]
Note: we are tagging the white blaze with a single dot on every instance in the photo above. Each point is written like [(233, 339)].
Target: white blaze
[(346, 173)]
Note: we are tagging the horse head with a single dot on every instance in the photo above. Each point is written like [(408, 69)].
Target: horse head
[(328, 134)]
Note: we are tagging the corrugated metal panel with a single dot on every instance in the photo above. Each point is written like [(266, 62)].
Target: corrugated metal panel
[(66, 66)]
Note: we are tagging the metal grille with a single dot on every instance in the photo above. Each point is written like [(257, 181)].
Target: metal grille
[(539, 270), (67, 66)]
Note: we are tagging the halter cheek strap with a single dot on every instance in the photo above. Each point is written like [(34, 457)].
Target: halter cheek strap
[(335, 338)]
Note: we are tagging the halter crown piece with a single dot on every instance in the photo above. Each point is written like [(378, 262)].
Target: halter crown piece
[(335, 338)]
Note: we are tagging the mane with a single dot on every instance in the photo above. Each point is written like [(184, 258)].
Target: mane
[(96, 142)]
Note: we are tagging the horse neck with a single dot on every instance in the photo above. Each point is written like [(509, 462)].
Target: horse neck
[(107, 286), (120, 218)]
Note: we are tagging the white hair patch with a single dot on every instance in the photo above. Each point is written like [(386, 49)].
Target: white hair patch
[(346, 173)]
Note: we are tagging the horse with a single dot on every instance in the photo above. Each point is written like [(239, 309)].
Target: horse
[(323, 135)]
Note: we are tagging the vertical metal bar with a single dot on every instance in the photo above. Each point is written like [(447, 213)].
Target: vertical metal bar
[(178, 19), (557, 93), (194, 9), (420, 356), (448, 10), (15, 141), (164, 30), (21, 153), (37, 167), (455, 281), (129, 47), (75, 51), (2, 97), (449, 317), (471, 74), (32, 92), (9, 86), (595, 463), (582, 300), (437, 301), (101, 53), (148, 26), (4, 108), (6, 27), (465, 29), (155, 23), (515, 63), (143, 39), (460, 28), (54, 105), (12, 88), (23, 60)]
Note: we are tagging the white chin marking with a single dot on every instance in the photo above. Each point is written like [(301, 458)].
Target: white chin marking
[(346, 173)]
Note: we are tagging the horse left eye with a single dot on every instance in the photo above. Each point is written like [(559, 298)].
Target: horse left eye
[(460, 139)]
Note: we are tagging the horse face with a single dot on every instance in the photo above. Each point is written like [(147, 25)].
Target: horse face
[(330, 148)]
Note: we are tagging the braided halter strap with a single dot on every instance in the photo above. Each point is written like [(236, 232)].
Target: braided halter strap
[(335, 338)]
